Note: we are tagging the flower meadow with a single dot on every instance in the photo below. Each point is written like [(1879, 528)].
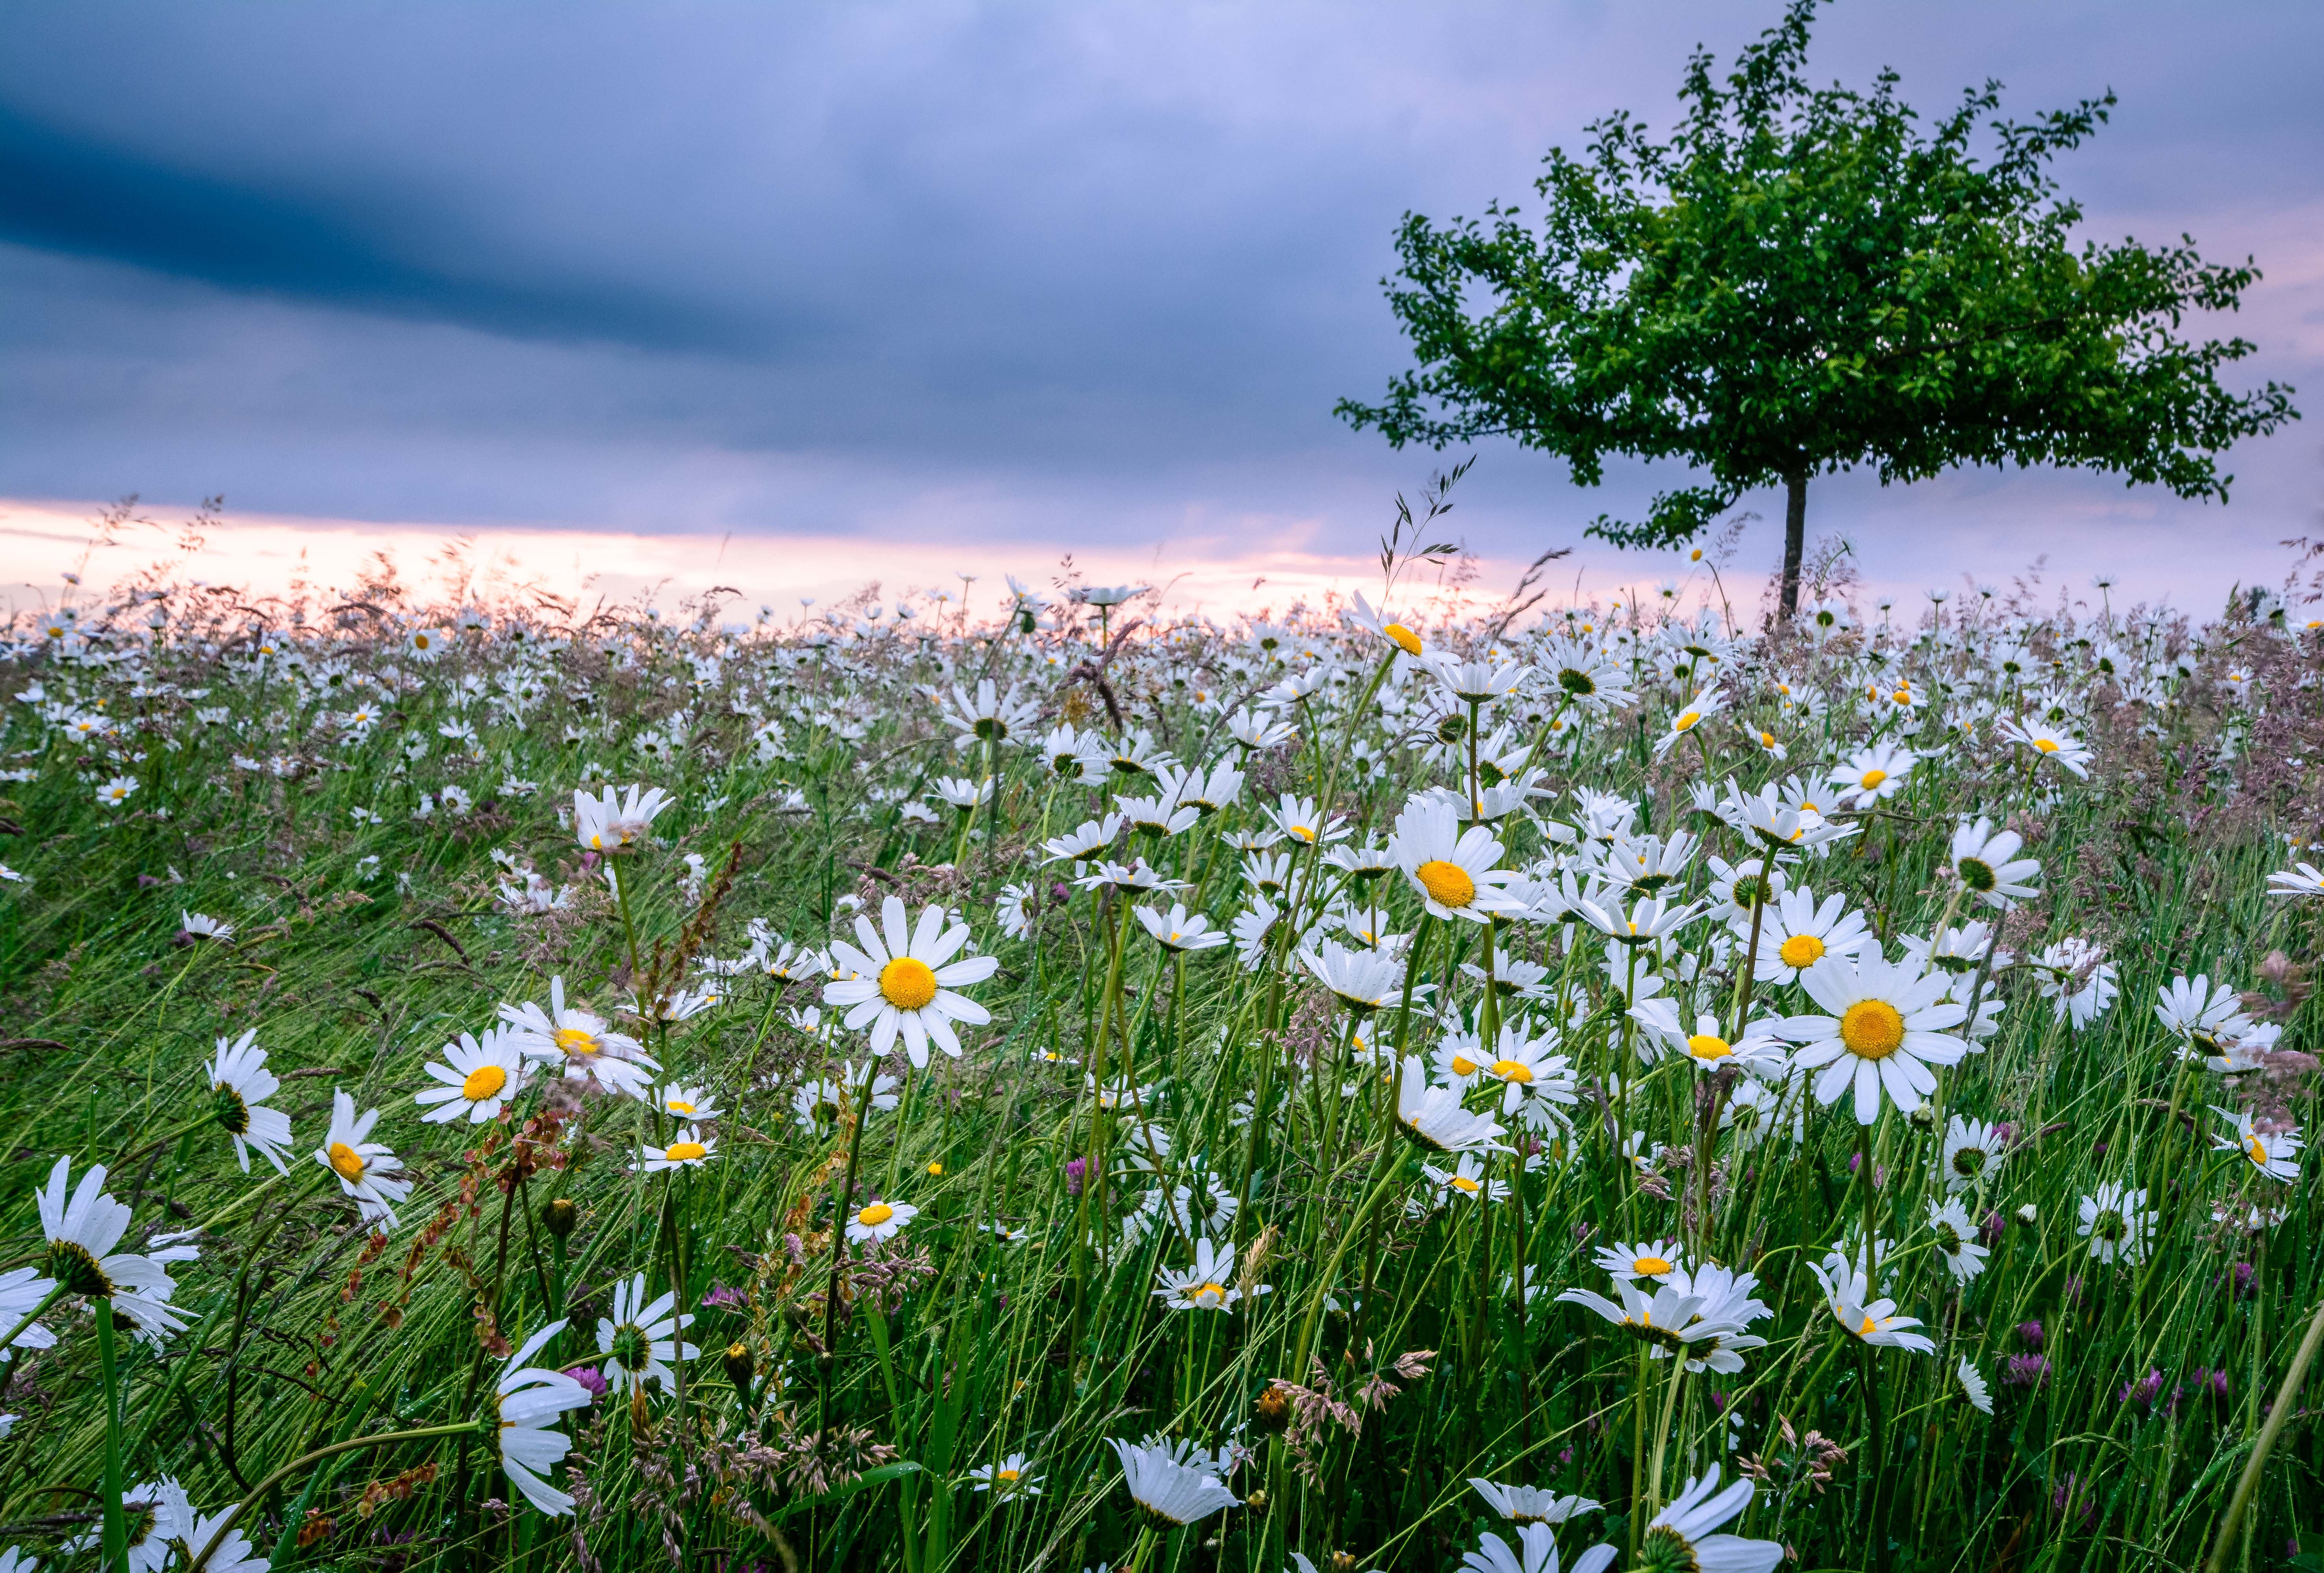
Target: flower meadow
[(1003, 1077)]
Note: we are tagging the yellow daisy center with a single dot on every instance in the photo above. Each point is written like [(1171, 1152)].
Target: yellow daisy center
[(1463, 1065), (908, 983), (346, 1160), (1903, 696), (1766, 739), (1405, 639), (1210, 1295), (1304, 832), (873, 1216), (1650, 1267), (1868, 1329), (2046, 746), (483, 1082), (1703, 1046), (1007, 1476), (574, 1041), (1873, 778), (1464, 1182), (1448, 884), (2257, 1148), (1800, 950), (1516, 1070), (685, 1151), (1872, 1028), (678, 1106), (1686, 722)]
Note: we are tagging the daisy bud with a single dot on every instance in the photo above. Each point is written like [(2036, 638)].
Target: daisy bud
[(1272, 1412), (1924, 1118), (560, 1216), (740, 1365), (2028, 1216)]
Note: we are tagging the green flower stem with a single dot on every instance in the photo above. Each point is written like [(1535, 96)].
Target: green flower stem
[(117, 1527)]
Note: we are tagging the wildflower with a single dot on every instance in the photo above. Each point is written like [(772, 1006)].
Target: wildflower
[(1208, 1285), (1433, 1116), (1178, 931), (1795, 934), (481, 1075), (608, 825), (1449, 868), (1880, 1034), (527, 1402), (1095, 836), (202, 926), (691, 1150), (2198, 1013), (1873, 775), (879, 1221), (1872, 1321), (1757, 1051), (115, 793), (1704, 705), (1535, 1552), (2051, 744), (2275, 1154), (1171, 1493), (158, 1517), (1985, 863), (1957, 1239), (1529, 1504), (687, 1102), (1656, 1261), (990, 716), (82, 1231), (1972, 1151), (2115, 1222), (1381, 624), (906, 982), (1467, 1179), (1669, 1318), (366, 1171), (1362, 980), (2302, 880), (1584, 675), (639, 1339), (1006, 1478), (2075, 974), (1302, 820), (21, 1292), (1474, 683), (1973, 1387), (240, 1085), (1678, 1536)]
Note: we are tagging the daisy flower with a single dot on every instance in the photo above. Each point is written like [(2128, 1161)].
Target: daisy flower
[(639, 1339), (1466, 1178), (1680, 1535), (687, 1102), (158, 1517), (527, 1402), (23, 1291), (1433, 1116), (691, 1150), (1874, 774), (1973, 1387), (1170, 1493), (115, 793), (1006, 1478), (1668, 1319), (1795, 934), (234, 1553), (1176, 930), (1957, 1239), (1301, 819), (906, 982), (1382, 625), (202, 926), (1882, 1032), (581, 1042), (240, 1084), (881, 1220), (1704, 705), (608, 824), (1656, 1260), (2050, 744), (1535, 1552), (1207, 1285), (2275, 1154), (82, 1229), (366, 1171), (1364, 979), (1528, 1070), (480, 1077), (1529, 1504), (1874, 1321), (1449, 868), (2303, 880), (1987, 863), (1973, 1149), (1757, 1051), (2198, 1013), (2117, 1223)]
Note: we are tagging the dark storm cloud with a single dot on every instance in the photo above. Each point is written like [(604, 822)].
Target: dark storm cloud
[(869, 267)]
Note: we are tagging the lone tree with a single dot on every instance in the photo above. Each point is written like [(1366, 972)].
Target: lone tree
[(1798, 281)]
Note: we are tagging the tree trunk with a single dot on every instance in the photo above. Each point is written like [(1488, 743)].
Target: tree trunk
[(1795, 530)]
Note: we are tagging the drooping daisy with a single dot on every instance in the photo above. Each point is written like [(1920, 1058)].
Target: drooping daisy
[(690, 1150), (480, 1077), (906, 981), (1207, 1285), (1381, 624), (639, 1339), (1871, 1320), (1667, 1318), (2117, 1223), (1795, 932), (1727, 1307), (240, 1084), (366, 1171), (1656, 1260), (157, 1516), (1177, 929), (202, 926), (1534, 1552), (1987, 863), (1973, 1387), (1882, 1032), (528, 1400), (2274, 1153), (1449, 868), (1680, 1535), (880, 1220), (1973, 1149), (1529, 1504), (608, 824), (1007, 1478), (1364, 980), (21, 1292), (1172, 1493), (1957, 1240), (1874, 774), (1433, 1116), (82, 1229), (581, 1042)]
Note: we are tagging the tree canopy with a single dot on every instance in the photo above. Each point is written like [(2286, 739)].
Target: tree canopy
[(1798, 281)]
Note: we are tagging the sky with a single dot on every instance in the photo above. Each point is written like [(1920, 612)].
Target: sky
[(790, 296)]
